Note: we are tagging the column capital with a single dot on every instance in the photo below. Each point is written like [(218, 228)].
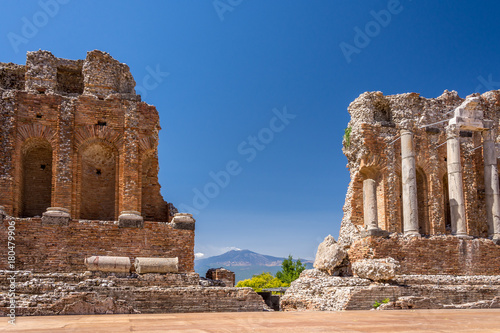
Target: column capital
[(452, 131), (489, 135)]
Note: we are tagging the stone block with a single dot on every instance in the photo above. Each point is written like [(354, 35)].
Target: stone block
[(183, 221), (376, 269), (329, 255), (108, 264), (374, 232), (56, 216), (130, 219), (156, 265)]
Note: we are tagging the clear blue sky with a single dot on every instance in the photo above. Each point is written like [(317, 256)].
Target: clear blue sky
[(232, 62)]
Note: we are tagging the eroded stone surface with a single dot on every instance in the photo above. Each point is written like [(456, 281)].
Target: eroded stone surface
[(329, 255), (376, 269), (315, 290), (101, 293)]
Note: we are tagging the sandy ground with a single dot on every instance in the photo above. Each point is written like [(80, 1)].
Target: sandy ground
[(280, 322)]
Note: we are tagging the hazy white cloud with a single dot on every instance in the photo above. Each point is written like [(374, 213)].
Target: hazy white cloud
[(205, 251)]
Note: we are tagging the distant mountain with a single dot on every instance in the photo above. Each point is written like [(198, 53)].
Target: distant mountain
[(244, 263)]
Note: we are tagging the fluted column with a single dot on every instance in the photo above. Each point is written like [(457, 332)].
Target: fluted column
[(455, 185), (409, 179), (491, 183)]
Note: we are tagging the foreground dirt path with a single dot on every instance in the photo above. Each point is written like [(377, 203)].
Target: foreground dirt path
[(281, 322)]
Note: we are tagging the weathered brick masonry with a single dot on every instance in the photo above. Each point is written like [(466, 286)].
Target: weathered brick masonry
[(421, 220), (75, 135), (53, 248), (86, 293), (436, 255), (79, 178)]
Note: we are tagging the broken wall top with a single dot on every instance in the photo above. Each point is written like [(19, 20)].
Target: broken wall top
[(99, 75), (413, 112)]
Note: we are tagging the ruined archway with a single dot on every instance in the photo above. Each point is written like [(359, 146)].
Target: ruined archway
[(98, 181), (36, 181)]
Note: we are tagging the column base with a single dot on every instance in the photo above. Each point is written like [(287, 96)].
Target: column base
[(56, 216), (463, 236), (374, 232), (183, 221), (496, 239), (130, 219), (412, 234)]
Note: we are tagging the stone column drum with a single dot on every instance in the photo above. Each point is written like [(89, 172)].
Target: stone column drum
[(370, 204), (455, 185), (491, 184), (409, 179)]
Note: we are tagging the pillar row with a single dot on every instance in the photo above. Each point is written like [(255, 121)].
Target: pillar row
[(409, 179), (455, 184)]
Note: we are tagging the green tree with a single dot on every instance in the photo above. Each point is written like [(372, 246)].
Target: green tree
[(290, 270), (261, 281)]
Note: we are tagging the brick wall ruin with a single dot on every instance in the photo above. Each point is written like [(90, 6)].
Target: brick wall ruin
[(400, 151), (421, 224), (79, 167), (56, 248), (222, 274), (75, 135), (374, 151)]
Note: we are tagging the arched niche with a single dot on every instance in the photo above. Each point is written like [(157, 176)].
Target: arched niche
[(98, 180), (36, 177)]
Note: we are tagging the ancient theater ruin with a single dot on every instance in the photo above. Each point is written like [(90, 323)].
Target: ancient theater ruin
[(80, 198), (421, 225)]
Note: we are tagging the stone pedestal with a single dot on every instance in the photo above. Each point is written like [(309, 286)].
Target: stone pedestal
[(2, 213), (455, 185), (491, 183), (183, 221), (130, 219), (409, 179), (56, 216)]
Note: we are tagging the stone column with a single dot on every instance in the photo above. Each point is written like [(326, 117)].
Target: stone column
[(455, 185), (491, 183), (370, 204), (409, 178)]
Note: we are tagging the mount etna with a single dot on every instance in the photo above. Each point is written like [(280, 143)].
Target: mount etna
[(244, 263)]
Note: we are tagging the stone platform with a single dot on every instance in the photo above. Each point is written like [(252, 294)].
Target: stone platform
[(99, 293), (345, 321), (315, 290)]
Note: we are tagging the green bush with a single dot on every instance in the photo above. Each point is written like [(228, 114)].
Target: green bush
[(347, 136), (261, 281)]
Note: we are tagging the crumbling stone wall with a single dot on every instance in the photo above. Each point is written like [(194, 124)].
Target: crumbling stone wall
[(90, 293), (434, 255), (373, 150), (55, 248), (222, 274), (101, 138), (315, 290)]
